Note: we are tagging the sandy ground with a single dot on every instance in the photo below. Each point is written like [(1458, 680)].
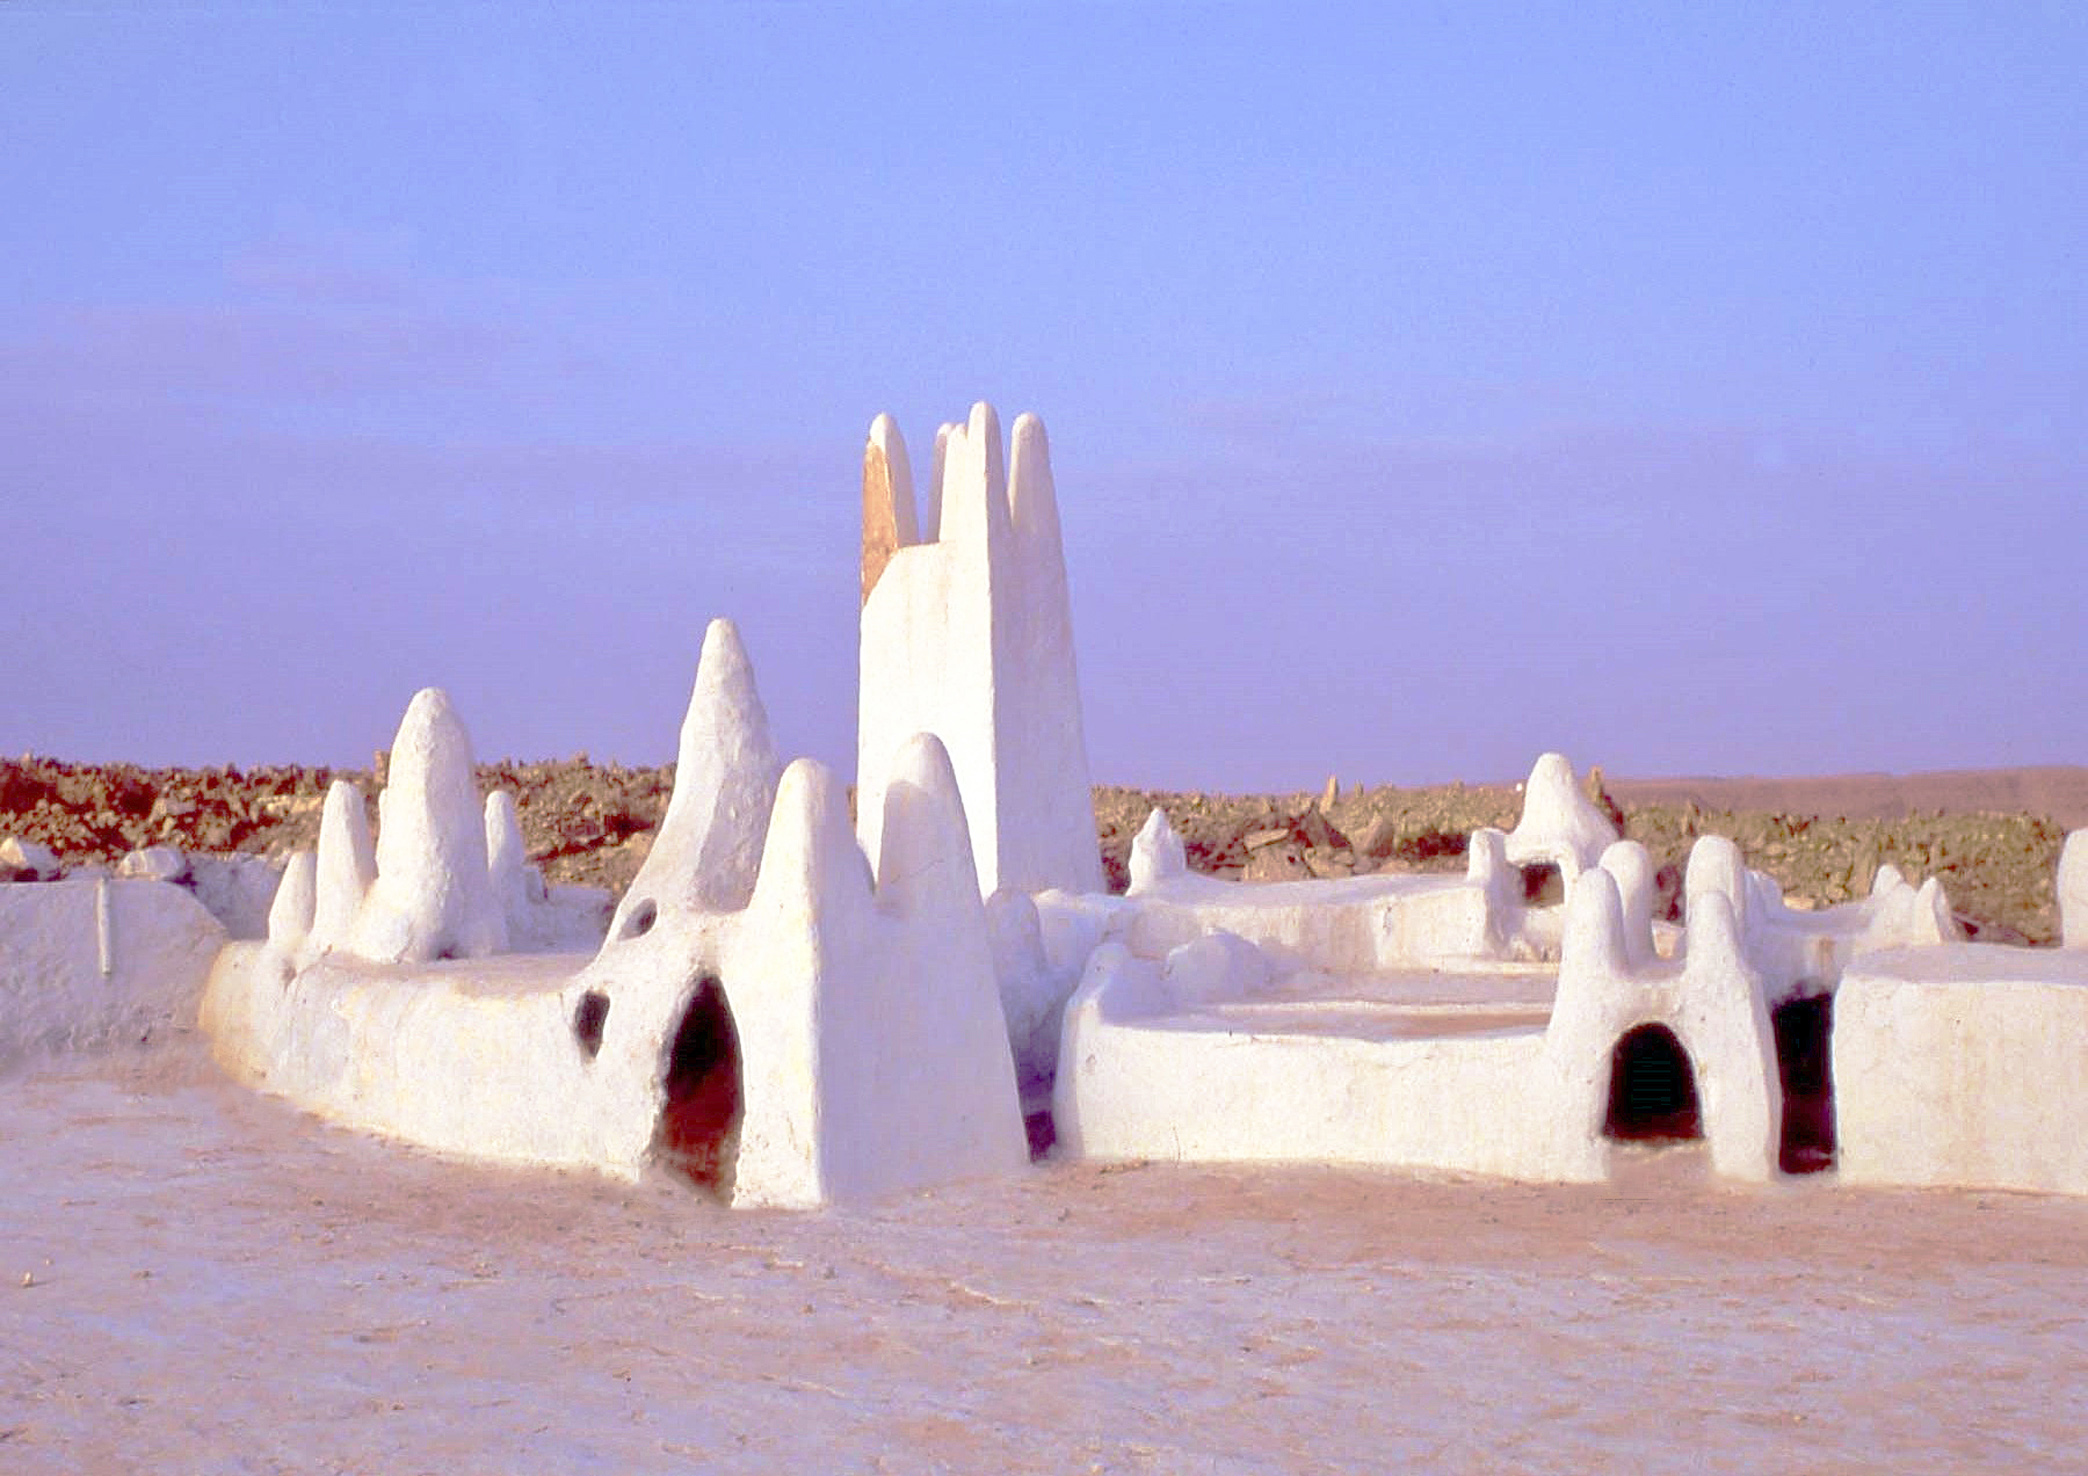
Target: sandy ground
[(216, 1282)]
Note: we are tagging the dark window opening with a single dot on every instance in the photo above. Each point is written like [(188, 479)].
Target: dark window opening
[(1805, 1062), (1544, 885), (699, 1125), (1652, 1095), (588, 1021)]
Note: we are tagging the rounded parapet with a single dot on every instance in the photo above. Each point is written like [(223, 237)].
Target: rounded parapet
[(1631, 867)]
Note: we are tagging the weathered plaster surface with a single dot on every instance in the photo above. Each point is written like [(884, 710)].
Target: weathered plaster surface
[(1964, 1063), (84, 964), (882, 1017)]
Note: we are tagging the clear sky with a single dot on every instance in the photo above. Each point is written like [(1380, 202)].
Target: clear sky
[(1692, 388)]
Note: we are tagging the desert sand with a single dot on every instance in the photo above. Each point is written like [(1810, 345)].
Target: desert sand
[(201, 1279)]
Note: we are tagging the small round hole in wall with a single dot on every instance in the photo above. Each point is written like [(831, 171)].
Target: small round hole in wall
[(639, 921), (588, 1021)]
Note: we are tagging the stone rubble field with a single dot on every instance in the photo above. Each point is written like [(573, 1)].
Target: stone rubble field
[(1993, 837)]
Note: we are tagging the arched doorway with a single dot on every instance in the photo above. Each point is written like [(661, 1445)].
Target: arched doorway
[(698, 1135), (1652, 1093)]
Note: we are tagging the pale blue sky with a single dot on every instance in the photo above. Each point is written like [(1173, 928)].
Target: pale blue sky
[(1691, 389)]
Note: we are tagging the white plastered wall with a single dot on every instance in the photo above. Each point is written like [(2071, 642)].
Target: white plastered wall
[(1964, 1064), (1967, 1064), (1713, 1004), (1133, 1085), (92, 963), (1347, 926)]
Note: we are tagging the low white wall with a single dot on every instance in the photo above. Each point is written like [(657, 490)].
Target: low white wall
[(873, 1056), (1133, 1086), (156, 940), (1346, 927), (477, 1058), (1964, 1064)]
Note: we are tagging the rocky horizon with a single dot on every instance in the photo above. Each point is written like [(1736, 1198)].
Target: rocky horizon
[(592, 824)]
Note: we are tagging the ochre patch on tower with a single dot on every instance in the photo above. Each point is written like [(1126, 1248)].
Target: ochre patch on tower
[(880, 516)]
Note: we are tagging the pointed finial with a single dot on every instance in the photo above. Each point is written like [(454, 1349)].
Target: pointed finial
[(932, 500), (708, 847), (810, 863), (346, 867), (290, 915), (1033, 495), (1715, 868), (433, 897), (1559, 824), (1629, 864), (1714, 934), (1157, 853), (1593, 946)]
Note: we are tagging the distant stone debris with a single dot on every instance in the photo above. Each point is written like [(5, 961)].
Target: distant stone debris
[(22, 860)]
